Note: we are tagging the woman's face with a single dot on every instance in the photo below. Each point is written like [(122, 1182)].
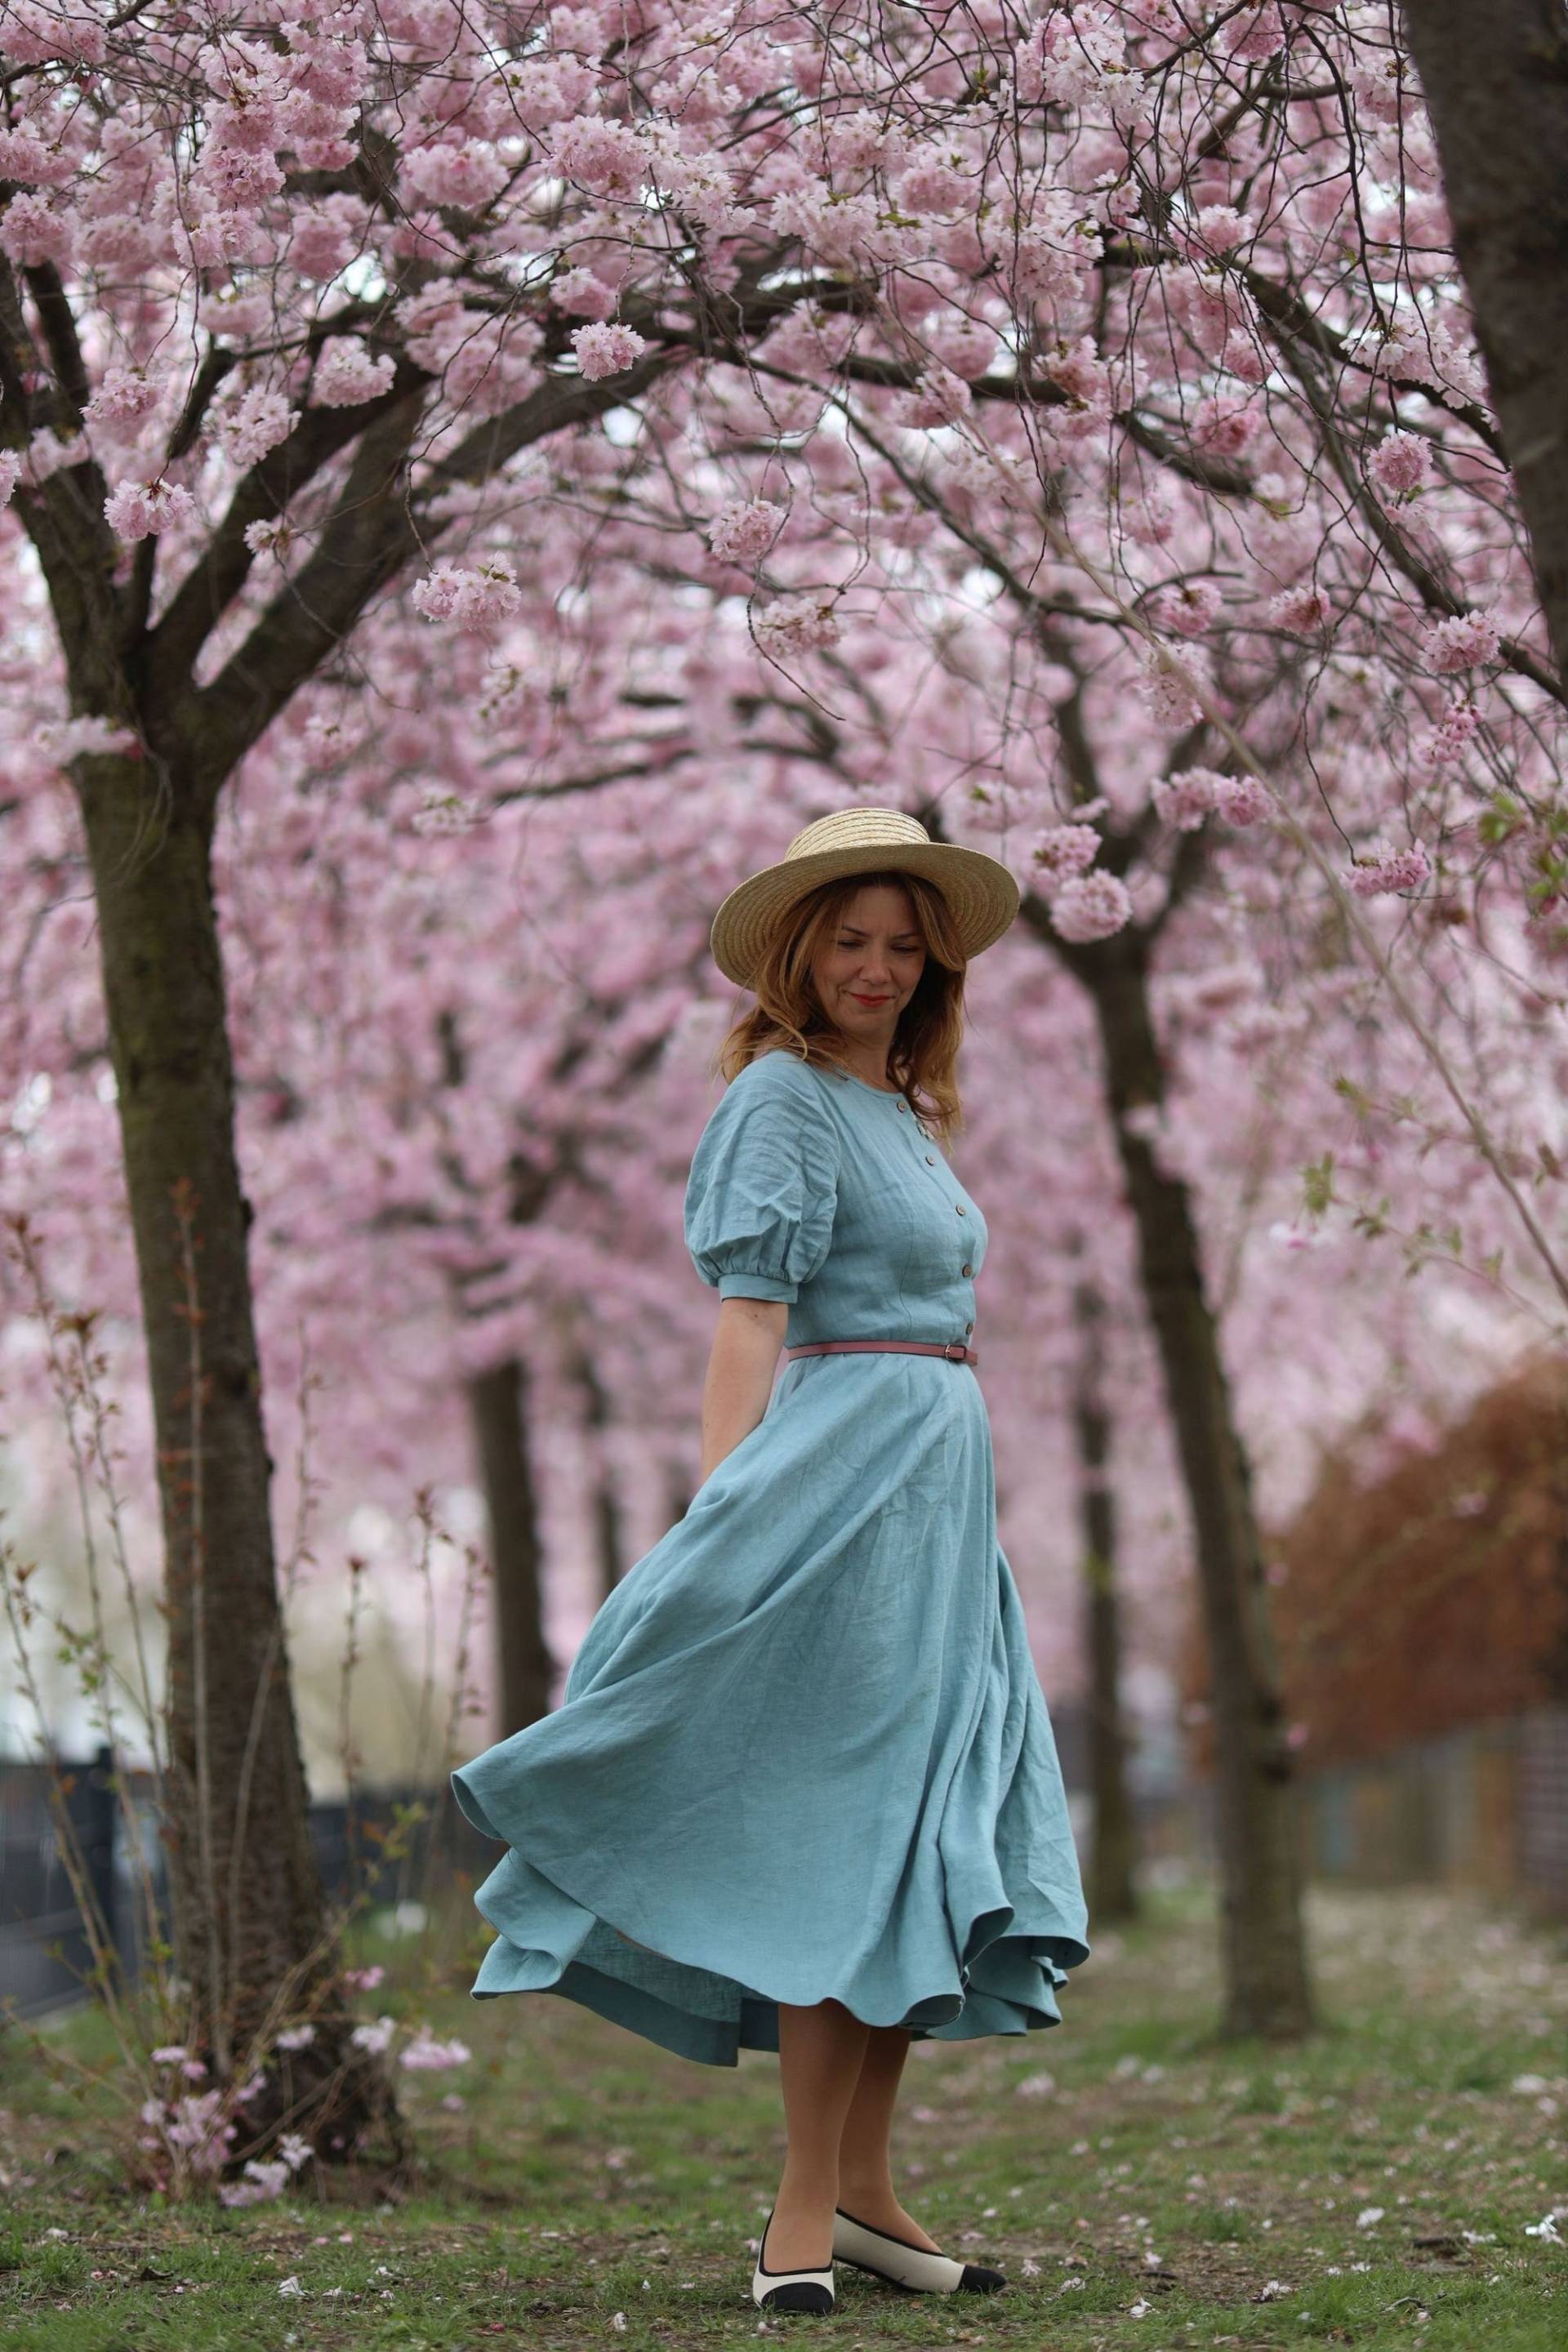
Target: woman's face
[(868, 970)]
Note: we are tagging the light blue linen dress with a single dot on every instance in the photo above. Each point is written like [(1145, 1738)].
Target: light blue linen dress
[(803, 1750)]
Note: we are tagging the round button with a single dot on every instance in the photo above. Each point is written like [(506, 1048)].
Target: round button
[(960, 1207), (902, 1105), (967, 1330), (966, 1269), (931, 1161)]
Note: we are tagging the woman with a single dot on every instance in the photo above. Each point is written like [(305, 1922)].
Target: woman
[(802, 1793)]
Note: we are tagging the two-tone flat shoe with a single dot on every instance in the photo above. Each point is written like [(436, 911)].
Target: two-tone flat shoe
[(790, 2290), (894, 2259)]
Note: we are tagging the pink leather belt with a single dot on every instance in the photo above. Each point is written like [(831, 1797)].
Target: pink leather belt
[(955, 1350)]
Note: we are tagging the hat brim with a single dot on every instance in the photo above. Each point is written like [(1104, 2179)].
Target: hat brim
[(982, 895)]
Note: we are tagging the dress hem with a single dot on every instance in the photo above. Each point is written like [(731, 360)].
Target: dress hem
[(749, 2021)]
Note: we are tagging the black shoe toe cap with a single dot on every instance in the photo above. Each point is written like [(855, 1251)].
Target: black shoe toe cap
[(802, 2294), (978, 2280)]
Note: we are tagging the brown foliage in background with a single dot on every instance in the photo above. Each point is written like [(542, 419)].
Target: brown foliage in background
[(1432, 1597)]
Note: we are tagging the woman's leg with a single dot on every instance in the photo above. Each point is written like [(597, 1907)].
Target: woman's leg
[(820, 2051), (865, 2154)]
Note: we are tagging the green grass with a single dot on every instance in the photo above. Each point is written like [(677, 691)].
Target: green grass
[(588, 2175)]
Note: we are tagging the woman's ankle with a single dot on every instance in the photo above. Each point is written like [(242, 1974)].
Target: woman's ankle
[(806, 2197), (856, 2189)]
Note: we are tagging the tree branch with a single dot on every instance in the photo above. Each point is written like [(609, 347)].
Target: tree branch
[(374, 530), (59, 323), (264, 493)]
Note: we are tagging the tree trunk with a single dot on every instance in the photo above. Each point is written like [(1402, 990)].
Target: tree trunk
[(1112, 1891), (608, 1545), (676, 1493), (1267, 1989), (498, 1406), (250, 1919), (1495, 78)]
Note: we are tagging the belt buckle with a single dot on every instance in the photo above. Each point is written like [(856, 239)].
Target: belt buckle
[(956, 1352)]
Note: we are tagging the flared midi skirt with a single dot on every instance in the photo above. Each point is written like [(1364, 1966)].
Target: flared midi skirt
[(803, 1752)]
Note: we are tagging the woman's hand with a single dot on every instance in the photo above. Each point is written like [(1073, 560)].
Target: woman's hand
[(740, 1376)]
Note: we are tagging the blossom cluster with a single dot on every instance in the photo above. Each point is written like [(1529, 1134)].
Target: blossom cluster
[(1384, 869), (471, 596)]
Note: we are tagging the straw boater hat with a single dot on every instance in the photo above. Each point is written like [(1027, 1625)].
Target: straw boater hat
[(981, 894)]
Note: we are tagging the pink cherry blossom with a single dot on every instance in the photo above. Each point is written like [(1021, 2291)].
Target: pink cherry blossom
[(1082, 374), (1226, 426), (375, 2039), (1063, 851), (1301, 612), (743, 532), (1464, 641), (1184, 799), (269, 537), (581, 295), (1091, 907), (254, 424), (347, 373), (94, 736), (940, 398), (326, 236), (32, 232), (605, 350), (1168, 693), (966, 346), (1447, 741), (1221, 228), (1383, 868), (1401, 464), (930, 185), (471, 596), (142, 509), (424, 2054), (467, 175), (123, 396), (603, 156), (1189, 608), (28, 161), (1239, 800), (262, 2181), (795, 624)]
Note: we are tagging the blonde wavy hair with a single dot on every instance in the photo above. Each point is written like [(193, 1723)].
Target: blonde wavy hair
[(789, 1014)]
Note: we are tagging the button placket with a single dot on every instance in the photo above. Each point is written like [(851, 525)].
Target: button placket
[(967, 1268)]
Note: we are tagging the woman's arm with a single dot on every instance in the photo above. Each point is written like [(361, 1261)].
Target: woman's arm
[(740, 1377)]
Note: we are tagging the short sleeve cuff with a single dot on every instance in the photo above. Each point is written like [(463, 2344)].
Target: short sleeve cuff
[(756, 1285)]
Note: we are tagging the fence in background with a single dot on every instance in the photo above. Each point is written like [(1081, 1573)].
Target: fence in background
[(1483, 1808), (45, 1951)]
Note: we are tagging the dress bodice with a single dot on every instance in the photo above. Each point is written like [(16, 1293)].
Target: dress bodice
[(822, 1190)]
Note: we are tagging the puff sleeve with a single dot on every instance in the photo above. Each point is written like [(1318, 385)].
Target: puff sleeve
[(764, 1186)]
